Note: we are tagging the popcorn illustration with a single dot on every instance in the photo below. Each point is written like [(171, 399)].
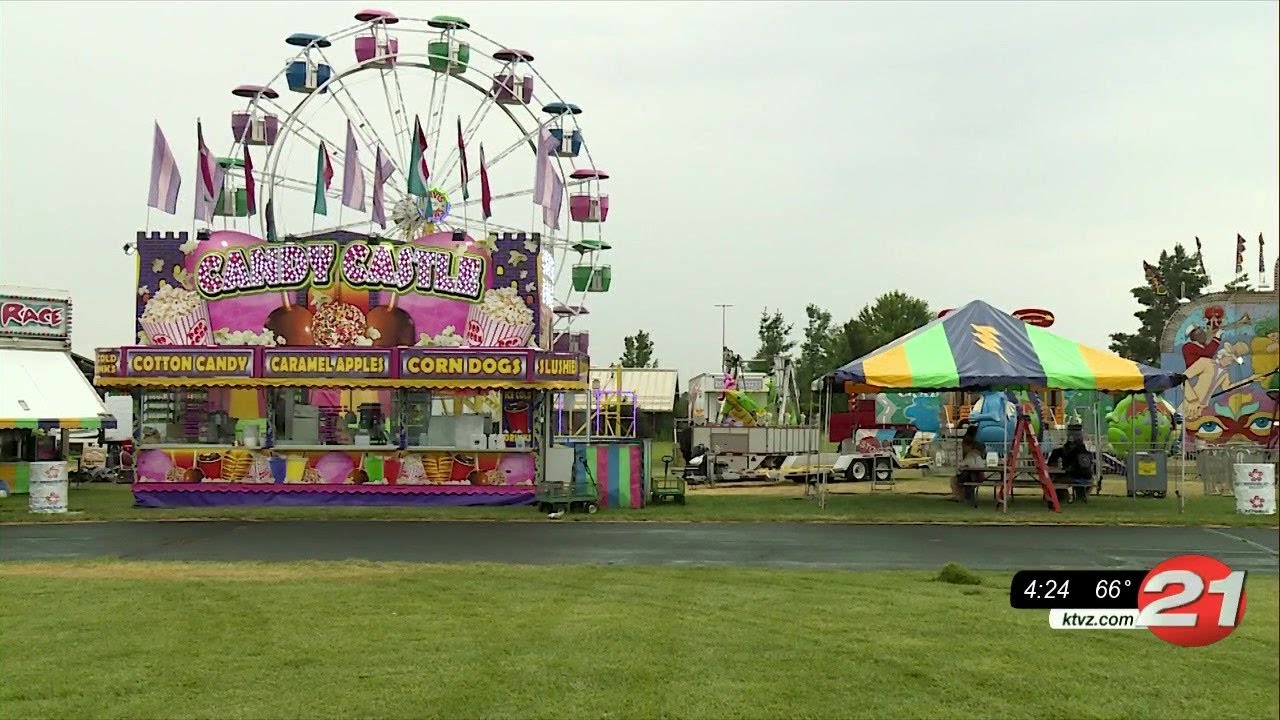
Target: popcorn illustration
[(174, 316), (500, 320), (266, 338)]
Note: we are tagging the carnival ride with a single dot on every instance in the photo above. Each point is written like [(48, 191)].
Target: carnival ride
[(359, 112), (745, 425)]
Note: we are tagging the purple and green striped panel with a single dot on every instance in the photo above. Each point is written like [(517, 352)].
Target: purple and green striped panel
[(16, 477), (618, 469)]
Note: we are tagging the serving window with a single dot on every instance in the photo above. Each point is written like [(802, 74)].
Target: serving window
[(201, 416)]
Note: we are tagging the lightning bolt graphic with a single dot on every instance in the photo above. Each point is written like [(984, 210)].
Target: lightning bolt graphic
[(988, 338)]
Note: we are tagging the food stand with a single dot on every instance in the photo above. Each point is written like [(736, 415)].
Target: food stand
[(43, 394), (339, 369)]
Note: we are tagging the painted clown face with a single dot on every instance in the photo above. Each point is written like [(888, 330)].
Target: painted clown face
[(1244, 416)]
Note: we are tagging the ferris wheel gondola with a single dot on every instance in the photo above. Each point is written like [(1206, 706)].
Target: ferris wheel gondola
[(481, 96)]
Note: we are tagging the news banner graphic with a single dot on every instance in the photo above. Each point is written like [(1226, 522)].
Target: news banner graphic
[(1188, 600)]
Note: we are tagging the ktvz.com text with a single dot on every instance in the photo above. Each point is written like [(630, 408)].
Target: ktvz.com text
[(1094, 620)]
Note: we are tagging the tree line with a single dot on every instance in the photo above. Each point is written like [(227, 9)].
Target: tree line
[(823, 344)]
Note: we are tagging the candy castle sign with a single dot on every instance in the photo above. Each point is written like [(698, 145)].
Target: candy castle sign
[(36, 314), (340, 290)]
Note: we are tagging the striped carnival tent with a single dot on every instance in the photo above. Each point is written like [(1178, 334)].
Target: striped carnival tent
[(979, 346)]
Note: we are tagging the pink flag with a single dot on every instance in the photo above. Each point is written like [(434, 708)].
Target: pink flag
[(250, 185), (381, 171), (486, 197), (166, 181), (208, 178), (352, 174)]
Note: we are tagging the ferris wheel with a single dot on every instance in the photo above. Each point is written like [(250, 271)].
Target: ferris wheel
[(388, 98)]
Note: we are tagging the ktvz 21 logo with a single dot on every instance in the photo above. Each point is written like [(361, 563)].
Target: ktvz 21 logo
[(1191, 600)]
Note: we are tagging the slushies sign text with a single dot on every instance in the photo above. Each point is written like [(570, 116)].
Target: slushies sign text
[(382, 266)]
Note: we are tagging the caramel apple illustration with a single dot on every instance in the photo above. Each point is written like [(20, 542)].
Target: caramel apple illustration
[(291, 322), (394, 325)]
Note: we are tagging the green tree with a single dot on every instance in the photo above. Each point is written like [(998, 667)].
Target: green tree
[(637, 351), (775, 340), (1179, 277), (817, 352), (891, 316)]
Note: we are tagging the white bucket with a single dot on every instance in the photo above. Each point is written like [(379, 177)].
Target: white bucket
[(1255, 488), (48, 487)]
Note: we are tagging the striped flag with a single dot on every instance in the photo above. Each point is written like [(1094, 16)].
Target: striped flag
[(381, 171), (208, 178), (486, 197), (462, 152), (419, 173), (324, 179), (250, 185), (352, 175), (166, 181)]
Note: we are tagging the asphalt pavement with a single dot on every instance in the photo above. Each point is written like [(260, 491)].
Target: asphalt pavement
[(774, 544)]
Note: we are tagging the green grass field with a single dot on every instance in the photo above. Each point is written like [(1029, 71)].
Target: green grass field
[(149, 640), (849, 503)]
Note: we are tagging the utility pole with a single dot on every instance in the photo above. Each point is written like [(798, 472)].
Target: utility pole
[(724, 307)]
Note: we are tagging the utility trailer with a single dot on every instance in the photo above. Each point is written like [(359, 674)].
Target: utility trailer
[(747, 453)]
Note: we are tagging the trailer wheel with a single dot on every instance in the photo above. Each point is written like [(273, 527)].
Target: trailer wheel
[(858, 470), (884, 470)]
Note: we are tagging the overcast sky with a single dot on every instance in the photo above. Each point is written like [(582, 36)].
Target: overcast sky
[(762, 154)]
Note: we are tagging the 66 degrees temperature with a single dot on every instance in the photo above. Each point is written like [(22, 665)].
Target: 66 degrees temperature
[(1189, 600)]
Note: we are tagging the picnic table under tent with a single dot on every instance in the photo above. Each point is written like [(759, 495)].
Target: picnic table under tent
[(980, 347)]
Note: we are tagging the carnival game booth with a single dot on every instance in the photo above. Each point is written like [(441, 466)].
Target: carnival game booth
[(980, 348), (43, 394), (342, 370)]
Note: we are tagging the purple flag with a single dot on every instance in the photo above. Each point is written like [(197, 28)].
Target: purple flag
[(551, 211), (208, 178), (381, 171), (352, 174), (543, 188), (166, 181)]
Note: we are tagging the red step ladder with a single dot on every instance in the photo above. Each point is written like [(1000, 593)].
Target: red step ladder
[(1022, 434)]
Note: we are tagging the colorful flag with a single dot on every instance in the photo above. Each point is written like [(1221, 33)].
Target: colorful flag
[(419, 173), (352, 174), (382, 168), (1239, 253), (166, 181), (462, 153), (250, 185), (1153, 277), (208, 178), (324, 179), (486, 197)]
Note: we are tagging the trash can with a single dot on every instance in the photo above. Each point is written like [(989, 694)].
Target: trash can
[(1148, 474)]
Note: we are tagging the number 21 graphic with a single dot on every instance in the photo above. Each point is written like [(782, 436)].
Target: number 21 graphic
[(1192, 600)]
